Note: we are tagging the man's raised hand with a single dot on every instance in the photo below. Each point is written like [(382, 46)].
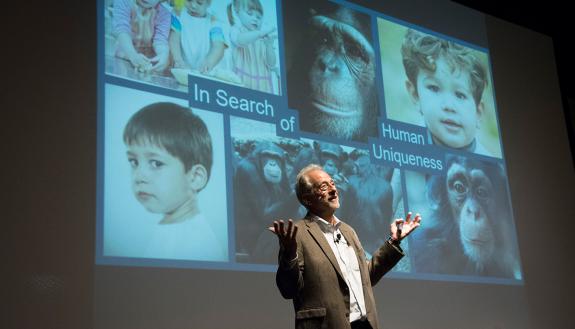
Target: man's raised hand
[(407, 226), (286, 237)]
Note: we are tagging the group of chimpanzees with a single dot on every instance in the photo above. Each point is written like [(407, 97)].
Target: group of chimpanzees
[(263, 192)]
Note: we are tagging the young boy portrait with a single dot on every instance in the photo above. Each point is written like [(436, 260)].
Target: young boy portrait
[(169, 150), (443, 86), (163, 166)]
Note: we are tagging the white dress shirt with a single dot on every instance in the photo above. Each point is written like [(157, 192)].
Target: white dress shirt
[(348, 264)]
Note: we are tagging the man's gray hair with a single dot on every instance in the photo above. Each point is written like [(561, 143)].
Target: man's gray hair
[(303, 186)]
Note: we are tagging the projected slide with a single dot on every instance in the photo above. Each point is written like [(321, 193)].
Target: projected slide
[(209, 109)]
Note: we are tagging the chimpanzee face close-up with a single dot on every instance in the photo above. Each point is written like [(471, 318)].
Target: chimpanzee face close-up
[(272, 170), (470, 194), (336, 74)]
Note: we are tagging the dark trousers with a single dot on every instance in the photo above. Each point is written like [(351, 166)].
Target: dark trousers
[(360, 325)]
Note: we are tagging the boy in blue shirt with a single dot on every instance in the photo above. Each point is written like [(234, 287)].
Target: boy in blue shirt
[(446, 82)]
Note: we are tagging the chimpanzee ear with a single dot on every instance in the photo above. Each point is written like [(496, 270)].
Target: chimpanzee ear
[(197, 177), (435, 190)]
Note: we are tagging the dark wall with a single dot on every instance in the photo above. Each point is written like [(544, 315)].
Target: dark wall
[(49, 160), (539, 167)]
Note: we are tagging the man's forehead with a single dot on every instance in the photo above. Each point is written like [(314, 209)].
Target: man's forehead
[(318, 176)]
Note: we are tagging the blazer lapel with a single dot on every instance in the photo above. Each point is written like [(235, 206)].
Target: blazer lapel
[(348, 235), (318, 236)]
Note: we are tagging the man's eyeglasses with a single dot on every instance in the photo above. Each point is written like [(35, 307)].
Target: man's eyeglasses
[(325, 186)]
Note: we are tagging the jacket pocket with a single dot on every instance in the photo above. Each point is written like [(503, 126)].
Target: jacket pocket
[(311, 318), (310, 313)]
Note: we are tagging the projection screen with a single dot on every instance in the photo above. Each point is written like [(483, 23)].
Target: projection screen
[(208, 109)]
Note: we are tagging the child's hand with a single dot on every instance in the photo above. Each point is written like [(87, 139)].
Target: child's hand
[(204, 68), (161, 62), (269, 32), (181, 65), (140, 62), (270, 39)]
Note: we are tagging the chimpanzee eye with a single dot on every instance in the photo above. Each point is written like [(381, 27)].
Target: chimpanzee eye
[(459, 187), (482, 192), (322, 37), (355, 51)]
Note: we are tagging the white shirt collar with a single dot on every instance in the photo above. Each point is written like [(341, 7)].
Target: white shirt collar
[(325, 225)]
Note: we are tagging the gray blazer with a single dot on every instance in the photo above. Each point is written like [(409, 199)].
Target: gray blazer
[(315, 282)]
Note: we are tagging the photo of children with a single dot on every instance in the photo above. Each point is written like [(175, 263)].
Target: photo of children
[(439, 84), (162, 42), (165, 159), (469, 222)]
